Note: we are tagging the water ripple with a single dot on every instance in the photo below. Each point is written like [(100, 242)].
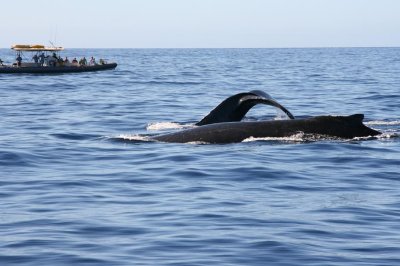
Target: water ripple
[(81, 184)]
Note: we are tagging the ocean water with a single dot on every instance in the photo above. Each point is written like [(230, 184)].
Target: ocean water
[(78, 187)]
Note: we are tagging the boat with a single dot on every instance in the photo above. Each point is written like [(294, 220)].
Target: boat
[(46, 60)]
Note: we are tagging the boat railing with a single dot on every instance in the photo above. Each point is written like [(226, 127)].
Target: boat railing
[(24, 64)]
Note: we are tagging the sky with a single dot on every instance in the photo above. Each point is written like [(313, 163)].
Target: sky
[(201, 23)]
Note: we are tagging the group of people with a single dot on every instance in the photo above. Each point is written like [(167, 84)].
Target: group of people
[(39, 59), (82, 61), (55, 60)]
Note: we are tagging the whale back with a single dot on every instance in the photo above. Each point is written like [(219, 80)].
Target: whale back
[(346, 127)]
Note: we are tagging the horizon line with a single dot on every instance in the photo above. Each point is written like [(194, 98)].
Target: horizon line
[(273, 47)]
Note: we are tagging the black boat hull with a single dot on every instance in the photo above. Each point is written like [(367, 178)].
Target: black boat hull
[(59, 69)]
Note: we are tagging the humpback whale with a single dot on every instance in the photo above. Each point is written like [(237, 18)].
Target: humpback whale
[(223, 124), (346, 127)]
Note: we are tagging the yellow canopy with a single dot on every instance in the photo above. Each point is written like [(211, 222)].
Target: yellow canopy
[(36, 47)]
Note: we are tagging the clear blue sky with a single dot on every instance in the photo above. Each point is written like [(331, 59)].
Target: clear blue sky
[(201, 23)]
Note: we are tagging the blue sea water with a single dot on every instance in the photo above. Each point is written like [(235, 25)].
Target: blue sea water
[(78, 188)]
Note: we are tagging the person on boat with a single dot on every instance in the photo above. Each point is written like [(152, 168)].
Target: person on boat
[(55, 59), (41, 58), (60, 61), (52, 60), (92, 61), (1, 62), (83, 61), (35, 58), (74, 61), (47, 60), (19, 60), (66, 60)]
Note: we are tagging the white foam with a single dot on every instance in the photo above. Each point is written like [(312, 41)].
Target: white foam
[(388, 135), (197, 142), (134, 137), (383, 123), (157, 126), (299, 137), (281, 116)]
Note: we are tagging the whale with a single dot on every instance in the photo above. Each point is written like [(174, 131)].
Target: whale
[(224, 124), (346, 127)]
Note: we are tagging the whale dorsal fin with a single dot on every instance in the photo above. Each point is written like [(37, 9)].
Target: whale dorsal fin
[(356, 118)]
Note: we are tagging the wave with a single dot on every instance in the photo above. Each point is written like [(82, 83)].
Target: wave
[(153, 82), (74, 136), (387, 135)]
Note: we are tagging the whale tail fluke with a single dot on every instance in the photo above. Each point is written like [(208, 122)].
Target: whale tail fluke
[(235, 107)]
